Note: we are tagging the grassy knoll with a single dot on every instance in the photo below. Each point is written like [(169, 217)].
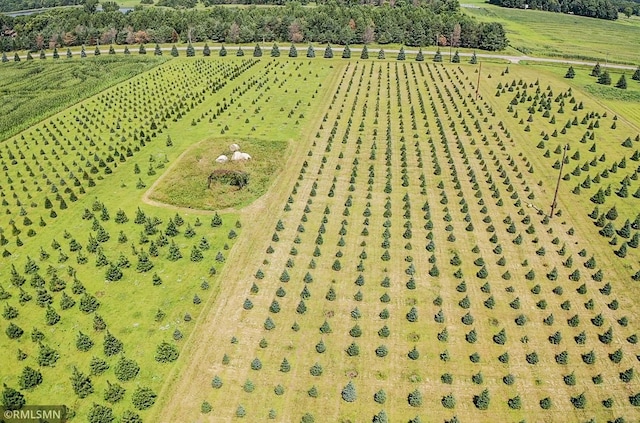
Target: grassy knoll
[(409, 230), (33, 90), (559, 35), (186, 184)]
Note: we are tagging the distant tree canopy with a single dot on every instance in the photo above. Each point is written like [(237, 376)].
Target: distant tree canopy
[(14, 5), (602, 9), (335, 23)]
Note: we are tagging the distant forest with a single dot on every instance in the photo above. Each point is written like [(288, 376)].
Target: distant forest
[(436, 22), (13, 5), (602, 9)]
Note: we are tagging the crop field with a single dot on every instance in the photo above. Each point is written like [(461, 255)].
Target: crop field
[(395, 259)]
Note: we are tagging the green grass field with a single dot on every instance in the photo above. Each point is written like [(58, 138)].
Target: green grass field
[(391, 243), (539, 33)]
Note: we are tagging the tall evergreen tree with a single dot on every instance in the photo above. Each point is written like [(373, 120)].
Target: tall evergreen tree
[(571, 73), (456, 57), (223, 51), (636, 75), (206, 51), (257, 51), (328, 52), (346, 52), (364, 54), (604, 78), (158, 50), (474, 59), (438, 56), (622, 82), (293, 51), (401, 54), (596, 71), (275, 51), (381, 54), (311, 52), (174, 51), (191, 52)]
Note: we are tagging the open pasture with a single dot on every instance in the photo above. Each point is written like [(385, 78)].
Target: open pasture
[(409, 276), (540, 33)]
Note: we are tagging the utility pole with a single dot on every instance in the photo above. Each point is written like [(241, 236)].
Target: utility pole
[(555, 195), (478, 83)]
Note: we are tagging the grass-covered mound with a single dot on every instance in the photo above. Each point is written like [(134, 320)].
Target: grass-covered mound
[(186, 183)]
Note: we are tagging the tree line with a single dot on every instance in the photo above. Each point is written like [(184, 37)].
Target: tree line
[(438, 23), (602, 9)]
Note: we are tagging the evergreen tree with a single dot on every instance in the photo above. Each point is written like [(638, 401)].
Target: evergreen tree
[(349, 392), (16, 58), (81, 383), (636, 74), (83, 342), (42, 54), (100, 414), (240, 52), (166, 353), (69, 54), (142, 49), (622, 82), (604, 78), (5, 59), (112, 50), (328, 52), (126, 50), (257, 51), (158, 50), (191, 52), (401, 54), (420, 56), (474, 59), (381, 54), (293, 51), (114, 393), (83, 52), (571, 73), (456, 57), (143, 398), (29, 378), (438, 56), (206, 51), (112, 345), (12, 399), (346, 52), (311, 52), (56, 55), (97, 51), (596, 71), (126, 369), (223, 51), (364, 54), (275, 51)]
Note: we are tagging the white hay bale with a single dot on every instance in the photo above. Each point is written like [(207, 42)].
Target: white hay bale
[(238, 155), (222, 159), (234, 148)]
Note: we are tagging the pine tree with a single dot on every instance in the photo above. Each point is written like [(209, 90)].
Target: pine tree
[(81, 383), (420, 56), (158, 50), (222, 52), (257, 51), (83, 342), (438, 56), (126, 50), (622, 82), (571, 73), (328, 52), (346, 52), (596, 71), (636, 74), (12, 399), (293, 51), (142, 49), (275, 51), (401, 54), (83, 52), (349, 392), (364, 54), (456, 57), (166, 353), (112, 51), (29, 378), (114, 393), (206, 51), (381, 54), (56, 55), (191, 52), (474, 59), (112, 345), (604, 78), (311, 52), (5, 59), (239, 52)]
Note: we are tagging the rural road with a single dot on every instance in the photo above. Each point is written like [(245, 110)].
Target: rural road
[(337, 51)]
